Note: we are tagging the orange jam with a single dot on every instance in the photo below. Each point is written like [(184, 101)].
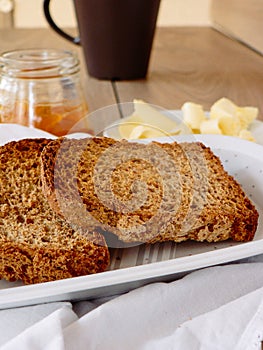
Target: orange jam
[(55, 119)]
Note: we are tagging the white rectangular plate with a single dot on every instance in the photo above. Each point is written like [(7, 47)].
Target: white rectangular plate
[(139, 265)]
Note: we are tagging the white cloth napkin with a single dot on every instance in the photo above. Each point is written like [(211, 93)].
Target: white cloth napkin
[(210, 309)]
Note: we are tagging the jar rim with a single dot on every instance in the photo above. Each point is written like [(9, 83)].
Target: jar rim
[(37, 63)]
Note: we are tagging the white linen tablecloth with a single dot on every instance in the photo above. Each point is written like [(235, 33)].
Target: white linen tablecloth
[(215, 308)]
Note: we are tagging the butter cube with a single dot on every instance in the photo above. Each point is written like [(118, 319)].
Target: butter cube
[(193, 115), (246, 135), (223, 108), (210, 126), (246, 115)]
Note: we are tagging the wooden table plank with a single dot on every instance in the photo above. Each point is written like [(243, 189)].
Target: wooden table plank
[(98, 93), (199, 65)]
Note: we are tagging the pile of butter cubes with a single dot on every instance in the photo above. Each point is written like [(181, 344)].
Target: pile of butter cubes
[(224, 118)]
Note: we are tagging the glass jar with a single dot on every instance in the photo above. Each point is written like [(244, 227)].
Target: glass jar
[(41, 88)]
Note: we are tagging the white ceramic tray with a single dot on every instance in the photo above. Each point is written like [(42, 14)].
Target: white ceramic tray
[(139, 265)]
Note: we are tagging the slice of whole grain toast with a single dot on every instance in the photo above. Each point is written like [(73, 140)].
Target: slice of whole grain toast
[(146, 192), (36, 245)]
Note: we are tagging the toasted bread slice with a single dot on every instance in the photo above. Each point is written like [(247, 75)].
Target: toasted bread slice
[(147, 193), (36, 245)]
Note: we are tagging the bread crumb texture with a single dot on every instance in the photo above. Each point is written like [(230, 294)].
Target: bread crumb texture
[(36, 244), (146, 192)]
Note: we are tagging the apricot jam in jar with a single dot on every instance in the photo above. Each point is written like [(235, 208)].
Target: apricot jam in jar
[(41, 88)]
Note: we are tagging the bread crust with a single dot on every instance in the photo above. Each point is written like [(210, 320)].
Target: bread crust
[(146, 193), (36, 245)]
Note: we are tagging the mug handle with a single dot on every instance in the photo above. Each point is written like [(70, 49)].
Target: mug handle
[(74, 40)]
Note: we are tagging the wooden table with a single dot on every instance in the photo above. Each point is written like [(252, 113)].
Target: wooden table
[(199, 65), (187, 64)]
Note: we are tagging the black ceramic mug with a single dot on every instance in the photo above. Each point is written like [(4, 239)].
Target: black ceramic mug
[(116, 36)]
